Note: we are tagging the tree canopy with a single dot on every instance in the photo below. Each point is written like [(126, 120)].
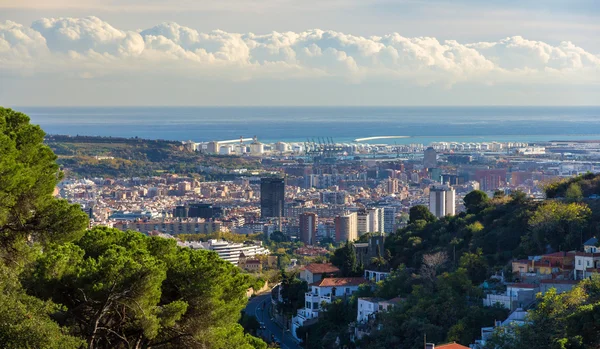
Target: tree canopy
[(65, 287)]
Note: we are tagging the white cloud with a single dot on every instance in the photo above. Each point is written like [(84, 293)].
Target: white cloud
[(89, 47)]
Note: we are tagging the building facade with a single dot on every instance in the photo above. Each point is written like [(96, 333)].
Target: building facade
[(308, 227), (442, 201), (346, 227), (272, 197)]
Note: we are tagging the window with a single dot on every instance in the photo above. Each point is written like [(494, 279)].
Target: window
[(587, 263), (579, 262), (315, 305), (347, 290), (307, 305)]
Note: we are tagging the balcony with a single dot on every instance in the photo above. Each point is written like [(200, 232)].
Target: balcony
[(313, 298)]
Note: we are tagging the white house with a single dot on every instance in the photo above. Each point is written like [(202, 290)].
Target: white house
[(586, 264), (376, 276), (323, 291), (367, 307), (516, 295)]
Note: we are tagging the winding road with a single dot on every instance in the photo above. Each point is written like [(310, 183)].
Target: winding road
[(260, 306)]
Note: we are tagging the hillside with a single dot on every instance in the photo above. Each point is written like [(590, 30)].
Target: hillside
[(440, 264), (85, 156)]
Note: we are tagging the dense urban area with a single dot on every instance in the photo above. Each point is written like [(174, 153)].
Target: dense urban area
[(315, 244)]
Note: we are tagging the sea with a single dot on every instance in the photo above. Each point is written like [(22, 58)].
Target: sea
[(340, 124)]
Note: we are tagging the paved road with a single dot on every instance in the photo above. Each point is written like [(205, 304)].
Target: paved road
[(260, 307)]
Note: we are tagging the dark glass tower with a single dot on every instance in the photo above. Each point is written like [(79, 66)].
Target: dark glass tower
[(272, 197)]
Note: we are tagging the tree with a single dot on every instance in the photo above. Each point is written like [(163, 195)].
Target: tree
[(476, 266), (292, 293), (476, 201), (28, 176), (25, 319), (420, 212), (432, 263), (560, 225), (574, 193), (559, 321), (345, 259), (124, 289)]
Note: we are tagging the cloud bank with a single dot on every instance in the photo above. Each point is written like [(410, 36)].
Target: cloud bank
[(87, 48)]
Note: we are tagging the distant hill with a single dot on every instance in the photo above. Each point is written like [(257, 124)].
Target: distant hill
[(91, 156)]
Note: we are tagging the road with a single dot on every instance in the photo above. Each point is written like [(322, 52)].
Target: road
[(259, 306)]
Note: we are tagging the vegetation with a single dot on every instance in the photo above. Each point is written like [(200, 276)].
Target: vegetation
[(439, 265), (569, 320), (126, 157), (580, 186), (68, 287)]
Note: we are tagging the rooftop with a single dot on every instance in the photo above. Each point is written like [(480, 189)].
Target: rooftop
[(451, 346), (336, 282), (321, 268)]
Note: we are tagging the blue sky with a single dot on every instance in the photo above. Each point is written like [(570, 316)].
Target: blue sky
[(311, 52)]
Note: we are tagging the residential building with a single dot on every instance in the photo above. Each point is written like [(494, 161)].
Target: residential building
[(586, 264), (323, 291), (363, 222), (442, 201), (430, 158), (376, 276), (346, 227), (591, 246), (490, 180), (517, 295), (389, 219), (367, 308), (316, 272), (228, 251), (308, 228), (392, 185), (376, 220), (175, 227), (272, 197)]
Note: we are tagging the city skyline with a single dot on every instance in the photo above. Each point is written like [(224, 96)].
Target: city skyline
[(356, 53)]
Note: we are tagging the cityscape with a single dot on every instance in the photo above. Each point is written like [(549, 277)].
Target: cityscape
[(284, 174)]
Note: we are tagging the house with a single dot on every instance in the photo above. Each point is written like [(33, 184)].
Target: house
[(544, 265), (367, 307), (376, 276), (586, 264), (520, 266), (516, 295), (591, 246), (516, 318), (560, 285), (324, 291), (253, 265), (314, 272)]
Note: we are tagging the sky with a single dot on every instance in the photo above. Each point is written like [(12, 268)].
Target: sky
[(299, 52)]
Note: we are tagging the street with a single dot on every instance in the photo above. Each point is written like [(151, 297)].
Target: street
[(260, 307)]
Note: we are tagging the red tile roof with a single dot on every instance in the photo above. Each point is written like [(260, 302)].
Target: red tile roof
[(321, 268), (451, 346), (337, 282)]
